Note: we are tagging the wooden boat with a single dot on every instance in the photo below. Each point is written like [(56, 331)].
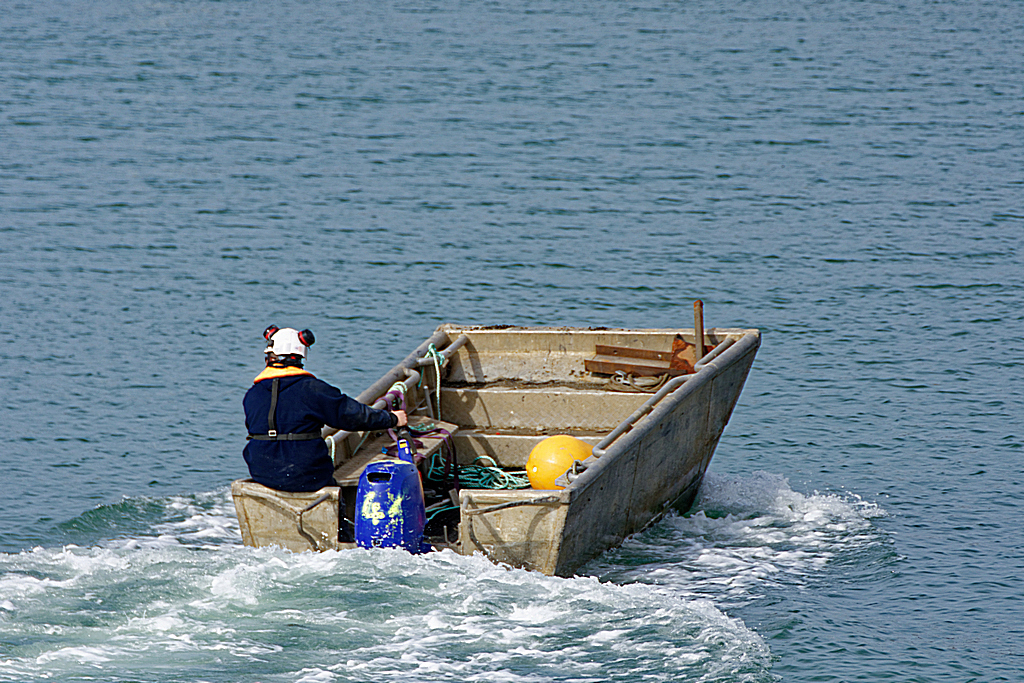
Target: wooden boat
[(503, 389)]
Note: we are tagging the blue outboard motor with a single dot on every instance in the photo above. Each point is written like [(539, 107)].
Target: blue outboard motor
[(389, 504)]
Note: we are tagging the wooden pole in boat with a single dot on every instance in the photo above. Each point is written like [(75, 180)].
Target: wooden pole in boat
[(698, 329)]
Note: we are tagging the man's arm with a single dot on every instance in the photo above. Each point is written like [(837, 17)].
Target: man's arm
[(343, 412)]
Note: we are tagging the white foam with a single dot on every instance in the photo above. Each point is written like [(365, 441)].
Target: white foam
[(207, 516), (499, 618), (83, 655), (748, 533), (170, 598), (534, 614), (315, 676)]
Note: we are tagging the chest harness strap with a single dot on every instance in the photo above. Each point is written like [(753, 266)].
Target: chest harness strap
[(272, 434)]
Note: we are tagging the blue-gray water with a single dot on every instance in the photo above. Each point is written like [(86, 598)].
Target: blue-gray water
[(846, 176)]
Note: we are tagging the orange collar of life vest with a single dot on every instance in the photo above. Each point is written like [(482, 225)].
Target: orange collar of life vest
[(271, 373)]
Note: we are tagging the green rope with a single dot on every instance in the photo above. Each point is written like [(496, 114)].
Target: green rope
[(424, 427), (435, 513), (366, 435), (438, 359), (479, 476), (400, 388)]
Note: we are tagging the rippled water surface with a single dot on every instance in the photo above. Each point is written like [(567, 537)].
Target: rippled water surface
[(845, 176)]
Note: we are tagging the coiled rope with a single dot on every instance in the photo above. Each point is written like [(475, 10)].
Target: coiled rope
[(623, 381), (479, 476)]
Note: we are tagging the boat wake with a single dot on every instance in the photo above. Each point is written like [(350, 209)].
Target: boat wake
[(151, 583), (187, 597), (200, 519), (746, 535)]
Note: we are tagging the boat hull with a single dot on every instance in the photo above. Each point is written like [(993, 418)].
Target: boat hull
[(657, 465)]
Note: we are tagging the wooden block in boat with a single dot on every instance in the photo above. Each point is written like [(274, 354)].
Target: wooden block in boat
[(637, 362), (626, 352)]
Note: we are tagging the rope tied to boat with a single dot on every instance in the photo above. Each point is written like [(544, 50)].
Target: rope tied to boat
[(438, 360), (330, 449), (469, 513), (394, 398), (398, 390), (543, 500), (451, 472)]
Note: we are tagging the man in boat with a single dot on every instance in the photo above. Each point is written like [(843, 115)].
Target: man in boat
[(286, 408)]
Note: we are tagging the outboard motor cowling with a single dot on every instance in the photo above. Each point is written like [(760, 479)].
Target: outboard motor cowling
[(389, 507)]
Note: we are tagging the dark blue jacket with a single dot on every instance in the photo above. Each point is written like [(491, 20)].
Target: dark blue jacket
[(304, 404)]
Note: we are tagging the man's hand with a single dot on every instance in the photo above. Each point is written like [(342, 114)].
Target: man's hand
[(403, 419)]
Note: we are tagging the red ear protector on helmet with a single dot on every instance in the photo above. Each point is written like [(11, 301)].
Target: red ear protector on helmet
[(306, 337), (269, 332)]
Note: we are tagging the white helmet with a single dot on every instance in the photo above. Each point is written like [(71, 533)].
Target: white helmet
[(284, 341)]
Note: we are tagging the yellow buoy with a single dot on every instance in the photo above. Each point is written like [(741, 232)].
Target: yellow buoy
[(552, 457)]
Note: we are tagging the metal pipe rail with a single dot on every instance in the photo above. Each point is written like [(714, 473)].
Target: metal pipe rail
[(397, 373), (714, 353), (446, 353), (543, 500), (647, 407), (411, 380)]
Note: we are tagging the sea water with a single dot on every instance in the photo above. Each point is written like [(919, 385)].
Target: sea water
[(845, 176)]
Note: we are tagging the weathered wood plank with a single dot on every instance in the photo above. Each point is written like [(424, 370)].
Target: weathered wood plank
[(639, 367), (629, 352)]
